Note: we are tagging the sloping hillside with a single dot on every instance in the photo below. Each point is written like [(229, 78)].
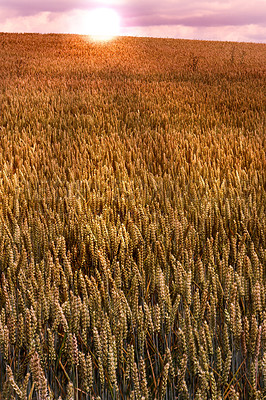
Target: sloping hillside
[(132, 219)]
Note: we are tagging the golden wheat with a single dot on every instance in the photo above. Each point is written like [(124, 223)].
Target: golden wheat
[(132, 219)]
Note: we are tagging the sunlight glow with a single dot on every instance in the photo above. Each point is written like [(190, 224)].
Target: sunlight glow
[(102, 24)]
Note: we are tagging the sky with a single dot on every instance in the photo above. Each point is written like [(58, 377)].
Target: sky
[(227, 20)]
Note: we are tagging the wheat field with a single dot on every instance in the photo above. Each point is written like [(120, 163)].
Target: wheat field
[(132, 219)]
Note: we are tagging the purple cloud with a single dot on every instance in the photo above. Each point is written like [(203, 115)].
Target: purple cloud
[(31, 7), (211, 20)]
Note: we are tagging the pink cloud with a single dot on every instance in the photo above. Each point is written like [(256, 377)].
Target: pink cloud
[(246, 33), (207, 20)]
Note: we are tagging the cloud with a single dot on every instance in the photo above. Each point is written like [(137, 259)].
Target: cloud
[(196, 13), (246, 33), (219, 20), (207, 20), (32, 7)]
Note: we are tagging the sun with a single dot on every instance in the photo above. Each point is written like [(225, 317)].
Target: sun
[(102, 24)]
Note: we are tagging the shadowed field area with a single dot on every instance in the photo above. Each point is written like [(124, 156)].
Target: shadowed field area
[(132, 219)]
